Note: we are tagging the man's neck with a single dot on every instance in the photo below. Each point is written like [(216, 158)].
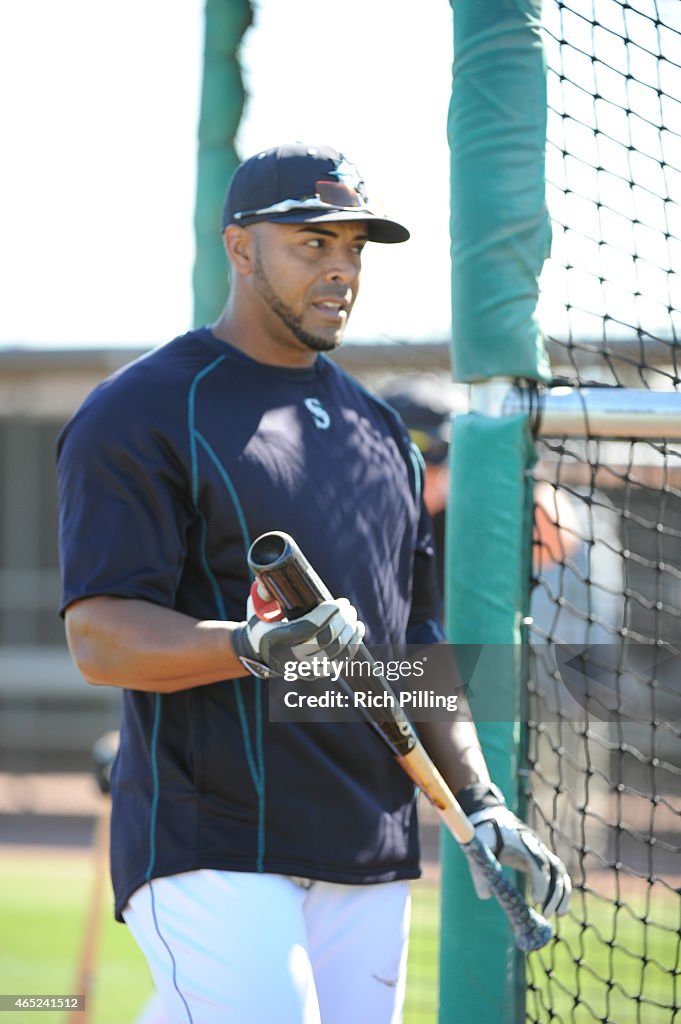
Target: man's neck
[(258, 343)]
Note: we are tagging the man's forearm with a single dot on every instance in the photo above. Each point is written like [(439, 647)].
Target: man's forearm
[(141, 646), (455, 748)]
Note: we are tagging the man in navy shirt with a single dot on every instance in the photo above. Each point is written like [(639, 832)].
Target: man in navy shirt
[(262, 866)]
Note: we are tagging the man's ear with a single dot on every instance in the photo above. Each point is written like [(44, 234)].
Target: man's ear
[(238, 244)]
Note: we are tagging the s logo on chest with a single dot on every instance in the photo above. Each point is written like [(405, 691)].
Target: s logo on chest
[(318, 413)]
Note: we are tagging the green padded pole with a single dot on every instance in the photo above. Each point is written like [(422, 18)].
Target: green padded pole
[(499, 221), (500, 238), (481, 972), (222, 102)]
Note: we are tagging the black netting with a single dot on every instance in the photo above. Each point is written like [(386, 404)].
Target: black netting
[(611, 295), (605, 672)]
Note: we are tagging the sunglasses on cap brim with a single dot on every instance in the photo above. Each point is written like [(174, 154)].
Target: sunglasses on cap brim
[(329, 195)]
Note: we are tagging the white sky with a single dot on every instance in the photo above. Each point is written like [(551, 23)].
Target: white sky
[(99, 127), (99, 120)]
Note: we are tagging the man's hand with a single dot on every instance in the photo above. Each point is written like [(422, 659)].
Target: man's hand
[(331, 630), (515, 845)]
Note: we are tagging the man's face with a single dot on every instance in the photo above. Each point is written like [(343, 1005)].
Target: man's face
[(306, 277)]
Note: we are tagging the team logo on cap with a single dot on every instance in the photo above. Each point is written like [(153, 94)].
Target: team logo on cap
[(347, 174)]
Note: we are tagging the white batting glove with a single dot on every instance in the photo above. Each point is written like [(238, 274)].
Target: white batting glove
[(517, 846), (331, 630)]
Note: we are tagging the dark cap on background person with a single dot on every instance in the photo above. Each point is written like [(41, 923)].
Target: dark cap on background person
[(426, 404), (297, 183)]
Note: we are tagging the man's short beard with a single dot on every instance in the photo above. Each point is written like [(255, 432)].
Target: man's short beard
[(285, 314)]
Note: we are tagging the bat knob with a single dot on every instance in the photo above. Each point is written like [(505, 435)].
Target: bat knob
[(268, 611)]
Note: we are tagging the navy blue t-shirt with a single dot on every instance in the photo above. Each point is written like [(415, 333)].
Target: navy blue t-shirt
[(167, 472)]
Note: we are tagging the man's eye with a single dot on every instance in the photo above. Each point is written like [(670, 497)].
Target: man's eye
[(315, 243)]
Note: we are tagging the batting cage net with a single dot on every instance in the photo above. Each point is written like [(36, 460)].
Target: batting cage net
[(604, 705)]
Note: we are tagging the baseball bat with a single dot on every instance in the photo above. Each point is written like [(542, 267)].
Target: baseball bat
[(95, 912), (280, 566), (103, 753)]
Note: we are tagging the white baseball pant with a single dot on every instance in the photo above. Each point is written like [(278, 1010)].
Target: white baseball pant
[(227, 947)]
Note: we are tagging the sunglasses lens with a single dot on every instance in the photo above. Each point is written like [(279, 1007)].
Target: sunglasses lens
[(337, 193)]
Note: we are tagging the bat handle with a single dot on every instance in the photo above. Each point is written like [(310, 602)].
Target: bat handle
[(278, 563), (531, 931)]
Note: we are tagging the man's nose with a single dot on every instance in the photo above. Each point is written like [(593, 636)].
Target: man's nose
[(343, 267)]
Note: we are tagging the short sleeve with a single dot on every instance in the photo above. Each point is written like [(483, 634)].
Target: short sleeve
[(124, 505)]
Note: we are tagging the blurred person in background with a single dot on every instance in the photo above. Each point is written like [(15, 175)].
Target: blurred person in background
[(427, 404)]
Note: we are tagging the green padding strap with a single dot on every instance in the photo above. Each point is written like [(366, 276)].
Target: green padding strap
[(499, 222), (481, 971), (222, 101)]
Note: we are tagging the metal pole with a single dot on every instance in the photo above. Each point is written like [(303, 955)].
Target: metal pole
[(618, 413)]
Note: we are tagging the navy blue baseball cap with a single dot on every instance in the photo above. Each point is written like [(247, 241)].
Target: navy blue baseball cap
[(297, 183)]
